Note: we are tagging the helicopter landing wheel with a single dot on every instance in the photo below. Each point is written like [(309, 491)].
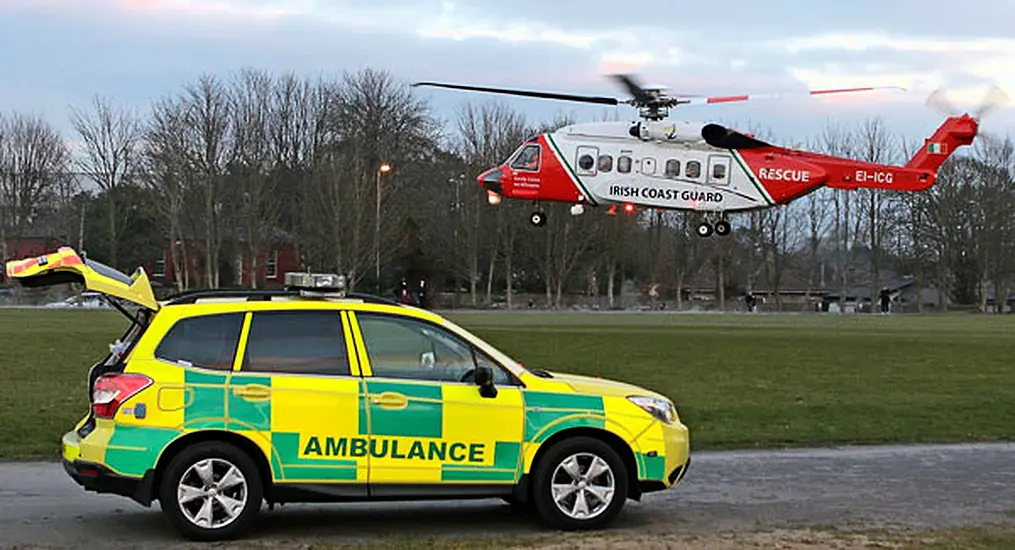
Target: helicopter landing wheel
[(704, 229), (723, 228), (537, 219)]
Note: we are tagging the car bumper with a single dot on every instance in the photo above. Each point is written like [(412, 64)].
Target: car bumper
[(676, 445), (99, 479), (92, 475)]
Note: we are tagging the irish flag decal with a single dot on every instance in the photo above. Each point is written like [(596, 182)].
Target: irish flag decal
[(936, 148)]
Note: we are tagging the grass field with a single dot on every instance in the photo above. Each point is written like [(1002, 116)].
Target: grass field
[(738, 380)]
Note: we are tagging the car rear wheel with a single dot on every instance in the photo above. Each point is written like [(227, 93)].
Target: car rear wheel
[(581, 483), (211, 492)]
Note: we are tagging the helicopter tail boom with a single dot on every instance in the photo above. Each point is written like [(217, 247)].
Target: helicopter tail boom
[(955, 132)]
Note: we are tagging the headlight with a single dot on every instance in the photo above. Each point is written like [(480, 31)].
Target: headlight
[(660, 408)]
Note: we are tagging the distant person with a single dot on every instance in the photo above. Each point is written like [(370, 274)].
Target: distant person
[(886, 300), (750, 301), (421, 294), (403, 292)]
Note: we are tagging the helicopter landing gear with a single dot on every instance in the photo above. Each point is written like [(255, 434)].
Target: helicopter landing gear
[(704, 229), (537, 218), (721, 228)]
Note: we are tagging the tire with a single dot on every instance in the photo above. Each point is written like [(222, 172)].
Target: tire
[(722, 228), (224, 459), (537, 219), (704, 229), (552, 469)]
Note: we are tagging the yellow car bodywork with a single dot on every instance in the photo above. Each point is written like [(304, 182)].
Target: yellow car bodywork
[(347, 437)]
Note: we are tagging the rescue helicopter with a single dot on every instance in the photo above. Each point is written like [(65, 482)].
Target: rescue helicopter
[(695, 166)]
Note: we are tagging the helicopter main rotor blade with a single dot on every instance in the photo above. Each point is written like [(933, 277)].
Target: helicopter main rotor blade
[(526, 93), (754, 97), (637, 92)]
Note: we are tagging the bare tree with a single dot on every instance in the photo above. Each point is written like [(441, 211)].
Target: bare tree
[(378, 120), (209, 116), (33, 160), (486, 136), (111, 137), (251, 166), (874, 144), (169, 174)]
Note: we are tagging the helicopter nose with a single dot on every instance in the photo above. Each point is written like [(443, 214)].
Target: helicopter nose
[(492, 180)]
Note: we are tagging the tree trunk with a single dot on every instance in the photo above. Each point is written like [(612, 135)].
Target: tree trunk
[(509, 279), (113, 247), (489, 276), (611, 274)]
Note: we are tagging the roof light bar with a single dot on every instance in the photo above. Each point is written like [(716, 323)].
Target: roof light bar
[(317, 282)]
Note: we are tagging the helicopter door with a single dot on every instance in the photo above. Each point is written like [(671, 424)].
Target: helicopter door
[(585, 160), (718, 170)]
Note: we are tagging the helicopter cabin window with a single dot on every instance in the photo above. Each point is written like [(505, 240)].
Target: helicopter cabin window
[(527, 159), (719, 172), (693, 169), (648, 165), (605, 163), (672, 168), (624, 164)]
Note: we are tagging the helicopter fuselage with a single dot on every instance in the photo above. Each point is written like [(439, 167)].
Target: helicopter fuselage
[(695, 166)]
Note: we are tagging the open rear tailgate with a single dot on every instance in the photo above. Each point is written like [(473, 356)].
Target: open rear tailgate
[(66, 266)]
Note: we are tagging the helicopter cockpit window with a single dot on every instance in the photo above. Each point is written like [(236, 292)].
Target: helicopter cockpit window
[(672, 168), (527, 158), (693, 169), (624, 164), (605, 163)]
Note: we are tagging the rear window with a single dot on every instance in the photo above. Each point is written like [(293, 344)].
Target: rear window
[(297, 342), (208, 341)]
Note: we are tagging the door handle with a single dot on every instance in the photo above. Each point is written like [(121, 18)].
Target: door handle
[(252, 392), (390, 400)]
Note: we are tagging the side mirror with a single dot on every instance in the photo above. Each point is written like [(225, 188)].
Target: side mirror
[(484, 379)]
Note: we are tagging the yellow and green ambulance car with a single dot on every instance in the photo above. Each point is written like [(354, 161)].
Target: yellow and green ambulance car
[(215, 402)]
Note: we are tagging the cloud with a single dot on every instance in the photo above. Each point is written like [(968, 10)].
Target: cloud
[(141, 49)]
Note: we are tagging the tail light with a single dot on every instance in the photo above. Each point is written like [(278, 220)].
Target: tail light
[(112, 390)]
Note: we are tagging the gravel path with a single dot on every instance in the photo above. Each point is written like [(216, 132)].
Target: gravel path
[(911, 487)]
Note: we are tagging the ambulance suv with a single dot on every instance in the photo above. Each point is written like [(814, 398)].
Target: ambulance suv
[(215, 402)]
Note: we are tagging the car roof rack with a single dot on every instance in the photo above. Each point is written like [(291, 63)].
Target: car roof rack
[(262, 295)]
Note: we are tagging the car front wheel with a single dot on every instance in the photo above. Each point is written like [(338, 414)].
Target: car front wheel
[(211, 492), (581, 483)]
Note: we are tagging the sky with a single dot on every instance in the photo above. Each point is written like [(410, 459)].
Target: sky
[(60, 53)]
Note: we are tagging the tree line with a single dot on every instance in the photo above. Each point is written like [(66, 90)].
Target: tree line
[(249, 162)]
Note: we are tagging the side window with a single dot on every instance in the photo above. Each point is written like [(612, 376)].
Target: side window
[(648, 165), (624, 164), (415, 350), (605, 163), (693, 169), (719, 171), (527, 158), (586, 162), (208, 341), (672, 168), (296, 342)]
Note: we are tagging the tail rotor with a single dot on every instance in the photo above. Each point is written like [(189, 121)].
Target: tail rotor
[(993, 98)]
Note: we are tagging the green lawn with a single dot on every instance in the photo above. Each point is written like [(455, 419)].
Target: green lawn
[(738, 380)]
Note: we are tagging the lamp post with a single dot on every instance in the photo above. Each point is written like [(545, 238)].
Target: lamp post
[(377, 227)]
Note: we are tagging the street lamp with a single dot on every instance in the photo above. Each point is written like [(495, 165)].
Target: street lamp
[(377, 227)]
